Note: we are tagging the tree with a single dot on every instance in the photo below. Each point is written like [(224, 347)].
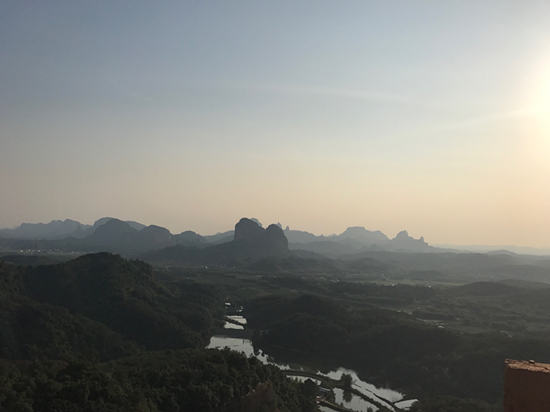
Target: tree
[(346, 381)]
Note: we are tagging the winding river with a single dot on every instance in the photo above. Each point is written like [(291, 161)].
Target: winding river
[(390, 398)]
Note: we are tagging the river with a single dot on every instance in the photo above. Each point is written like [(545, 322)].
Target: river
[(390, 398)]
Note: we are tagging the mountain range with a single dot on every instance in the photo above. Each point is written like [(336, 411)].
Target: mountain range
[(130, 237), (58, 229), (355, 239)]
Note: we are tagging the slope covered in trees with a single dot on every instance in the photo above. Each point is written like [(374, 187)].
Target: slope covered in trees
[(101, 333)]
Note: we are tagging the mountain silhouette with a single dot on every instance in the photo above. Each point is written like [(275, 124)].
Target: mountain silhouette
[(355, 239), (56, 229), (103, 220), (365, 237), (250, 242), (402, 241)]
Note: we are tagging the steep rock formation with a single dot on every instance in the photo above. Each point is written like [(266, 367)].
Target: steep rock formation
[(259, 241), (247, 229), (276, 239), (405, 242)]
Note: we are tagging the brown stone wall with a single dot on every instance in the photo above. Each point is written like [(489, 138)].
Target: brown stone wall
[(526, 386)]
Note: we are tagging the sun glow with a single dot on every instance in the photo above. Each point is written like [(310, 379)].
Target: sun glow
[(544, 105), (541, 97), (536, 106)]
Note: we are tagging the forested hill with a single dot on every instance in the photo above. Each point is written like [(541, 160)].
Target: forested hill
[(103, 333), (102, 295)]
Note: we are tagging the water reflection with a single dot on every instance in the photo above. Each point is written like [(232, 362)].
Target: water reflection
[(353, 402), (243, 346), (388, 397), (303, 379), (356, 403), (237, 318), (406, 405), (229, 325), (365, 388)]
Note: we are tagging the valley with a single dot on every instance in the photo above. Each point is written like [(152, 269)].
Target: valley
[(434, 327)]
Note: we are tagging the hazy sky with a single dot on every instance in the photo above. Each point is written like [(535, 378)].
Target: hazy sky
[(428, 115)]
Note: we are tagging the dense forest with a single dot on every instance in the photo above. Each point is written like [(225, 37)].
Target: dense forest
[(102, 333), (105, 333), (173, 380), (445, 345), (388, 347)]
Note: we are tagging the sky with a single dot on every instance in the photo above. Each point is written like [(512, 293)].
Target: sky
[(429, 116)]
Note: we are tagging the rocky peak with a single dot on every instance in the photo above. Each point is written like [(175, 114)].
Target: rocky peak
[(276, 237), (402, 235), (247, 229), (403, 241), (272, 239)]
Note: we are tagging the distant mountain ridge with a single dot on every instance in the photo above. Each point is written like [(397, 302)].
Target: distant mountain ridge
[(103, 220), (58, 229), (134, 238), (355, 239), (504, 249)]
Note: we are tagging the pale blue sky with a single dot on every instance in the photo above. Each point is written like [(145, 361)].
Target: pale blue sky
[(429, 115)]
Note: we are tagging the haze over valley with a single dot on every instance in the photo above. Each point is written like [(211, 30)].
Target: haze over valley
[(274, 206), (392, 313)]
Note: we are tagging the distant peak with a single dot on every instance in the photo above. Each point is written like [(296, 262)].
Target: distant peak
[(248, 231), (114, 221), (103, 220), (356, 229), (247, 228), (257, 221), (248, 221), (404, 241), (274, 228), (154, 228), (111, 229), (402, 234)]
